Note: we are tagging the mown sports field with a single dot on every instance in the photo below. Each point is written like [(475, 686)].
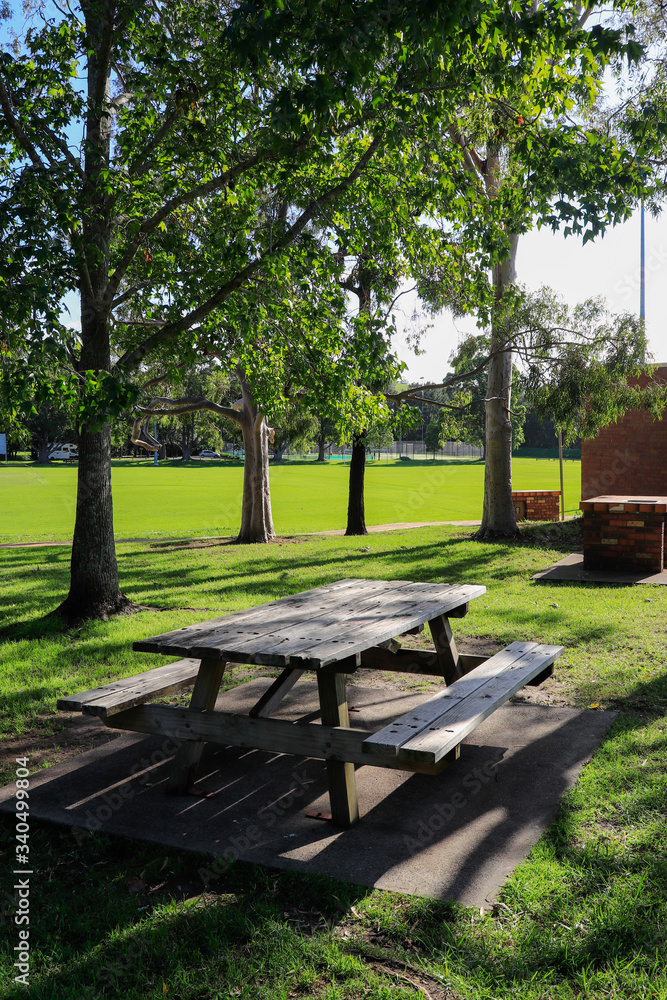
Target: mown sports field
[(204, 497)]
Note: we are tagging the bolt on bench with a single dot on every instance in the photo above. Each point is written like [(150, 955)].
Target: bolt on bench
[(333, 631)]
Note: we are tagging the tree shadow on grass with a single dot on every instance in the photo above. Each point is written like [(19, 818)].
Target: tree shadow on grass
[(246, 576), (119, 918)]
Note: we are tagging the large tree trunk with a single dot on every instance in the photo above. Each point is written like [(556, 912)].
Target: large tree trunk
[(320, 448), (94, 589), (356, 516), (43, 449), (498, 520), (256, 517)]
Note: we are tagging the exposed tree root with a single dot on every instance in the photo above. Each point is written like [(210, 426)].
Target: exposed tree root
[(74, 611), (494, 535)]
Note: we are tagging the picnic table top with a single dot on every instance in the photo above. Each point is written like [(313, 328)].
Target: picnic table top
[(317, 627)]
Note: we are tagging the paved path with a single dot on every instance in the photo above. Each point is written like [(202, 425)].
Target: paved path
[(372, 529)]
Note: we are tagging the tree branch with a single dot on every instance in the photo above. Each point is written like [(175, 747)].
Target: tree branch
[(169, 332), (161, 378), (128, 294), (472, 161), (15, 128), (148, 225), (61, 145), (163, 406), (142, 165)]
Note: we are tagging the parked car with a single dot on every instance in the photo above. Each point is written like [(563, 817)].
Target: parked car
[(209, 454), (63, 452)]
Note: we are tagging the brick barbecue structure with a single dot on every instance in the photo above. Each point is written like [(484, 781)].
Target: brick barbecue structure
[(629, 456), (536, 505), (625, 532)]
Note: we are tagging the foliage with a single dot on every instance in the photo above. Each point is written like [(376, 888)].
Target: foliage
[(287, 110), (577, 363), (572, 365)]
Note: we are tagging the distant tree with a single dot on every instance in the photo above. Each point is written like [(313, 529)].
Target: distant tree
[(433, 437), (326, 431), (46, 426), (297, 429)]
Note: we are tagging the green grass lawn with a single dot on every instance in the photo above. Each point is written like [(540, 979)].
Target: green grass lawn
[(204, 498), (583, 916)]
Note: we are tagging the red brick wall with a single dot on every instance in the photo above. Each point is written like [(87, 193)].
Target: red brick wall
[(629, 456), (541, 505), (624, 541)]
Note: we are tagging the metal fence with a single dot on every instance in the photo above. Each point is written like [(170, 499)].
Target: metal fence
[(400, 449), (417, 449)]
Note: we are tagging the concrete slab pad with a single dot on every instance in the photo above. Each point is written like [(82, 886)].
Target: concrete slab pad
[(454, 836), (572, 568)]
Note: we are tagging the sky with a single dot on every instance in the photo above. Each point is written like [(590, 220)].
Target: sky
[(608, 266)]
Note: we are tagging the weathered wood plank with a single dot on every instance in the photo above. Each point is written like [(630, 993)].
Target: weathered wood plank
[(448, 730), (382, 626), (275, 694), (272, 627), (388, 740), (160, 680), (546, 673), (274, 735), (303, 602), (333, 619), (311, 633), (413, 661), (204, 695), (340, 774)]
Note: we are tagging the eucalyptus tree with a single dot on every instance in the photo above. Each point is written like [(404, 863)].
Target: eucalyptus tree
[(529, 161), (571, 364)]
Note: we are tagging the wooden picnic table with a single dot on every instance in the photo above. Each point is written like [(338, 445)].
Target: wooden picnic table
[(332, 630)]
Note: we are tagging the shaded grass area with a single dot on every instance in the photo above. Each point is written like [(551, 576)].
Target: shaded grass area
[(583, 916), (204, 498)]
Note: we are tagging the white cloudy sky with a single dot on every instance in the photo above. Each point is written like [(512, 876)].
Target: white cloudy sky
[(607, 267)]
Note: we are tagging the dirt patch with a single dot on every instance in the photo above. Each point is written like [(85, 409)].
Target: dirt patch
[(52, 740)]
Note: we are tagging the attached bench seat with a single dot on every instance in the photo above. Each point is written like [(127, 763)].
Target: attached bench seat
[(434, 729), (416, 741), (117, 696)]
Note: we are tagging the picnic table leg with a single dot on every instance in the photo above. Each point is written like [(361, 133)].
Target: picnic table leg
[(204, 695), (340, 774), (445, 647)]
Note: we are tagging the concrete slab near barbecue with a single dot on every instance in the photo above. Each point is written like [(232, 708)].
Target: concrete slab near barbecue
[(572, 568)]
